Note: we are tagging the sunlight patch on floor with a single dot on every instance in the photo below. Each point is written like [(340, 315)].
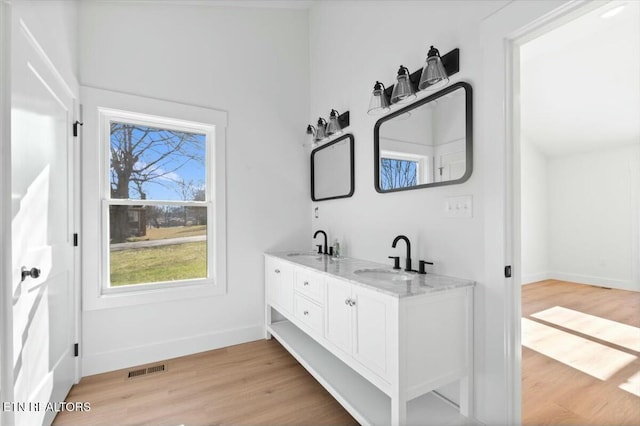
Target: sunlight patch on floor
[(632, 385), (592, 358), (614, 332)]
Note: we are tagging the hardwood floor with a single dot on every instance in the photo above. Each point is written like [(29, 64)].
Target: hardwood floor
[(580, 355), (255, 383), (580, 366)]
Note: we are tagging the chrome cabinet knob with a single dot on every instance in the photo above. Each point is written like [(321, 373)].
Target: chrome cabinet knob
[(306, 283), (306, 312), (277, 271)]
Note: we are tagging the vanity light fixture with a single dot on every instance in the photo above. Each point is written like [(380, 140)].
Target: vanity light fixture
[(334, 126), (379, 104), (403, 90), (434, 76), (311, 130), (321, 130)]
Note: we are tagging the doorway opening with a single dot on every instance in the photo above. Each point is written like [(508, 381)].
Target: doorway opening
[(577, 161)]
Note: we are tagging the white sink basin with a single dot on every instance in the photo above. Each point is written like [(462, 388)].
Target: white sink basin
[(383, 274)]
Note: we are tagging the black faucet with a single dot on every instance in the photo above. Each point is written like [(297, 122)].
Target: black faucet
[(406, 240), (320, 231), (423, 264)]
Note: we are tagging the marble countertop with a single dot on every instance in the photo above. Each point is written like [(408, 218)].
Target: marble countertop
[(400, 284)]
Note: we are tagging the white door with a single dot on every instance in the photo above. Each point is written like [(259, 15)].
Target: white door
[(42, 228), (451, 166)]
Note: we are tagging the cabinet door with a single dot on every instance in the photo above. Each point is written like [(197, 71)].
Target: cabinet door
[(372, 329), (338, 314), (279, 280)]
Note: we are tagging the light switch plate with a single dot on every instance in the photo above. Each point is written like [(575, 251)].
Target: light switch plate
[(459, 206)]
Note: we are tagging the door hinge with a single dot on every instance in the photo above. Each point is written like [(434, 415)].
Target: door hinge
[(507, 271), (75, 127), (75, 240), (76, 349)]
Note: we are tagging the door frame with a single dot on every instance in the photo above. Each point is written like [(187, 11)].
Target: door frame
[(6, 318), (503, 33)]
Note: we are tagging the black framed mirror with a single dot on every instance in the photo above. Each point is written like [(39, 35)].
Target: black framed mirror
[(426, 144), (332, 170)]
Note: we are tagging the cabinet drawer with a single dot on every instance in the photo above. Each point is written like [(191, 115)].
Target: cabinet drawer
[(311, 285), (309, 313)]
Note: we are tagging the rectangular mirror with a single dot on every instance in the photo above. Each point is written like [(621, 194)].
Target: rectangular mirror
[(428, 143), (332, 173)]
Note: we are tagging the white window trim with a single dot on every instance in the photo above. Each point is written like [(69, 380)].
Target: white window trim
[(105, 117), (100, 106)]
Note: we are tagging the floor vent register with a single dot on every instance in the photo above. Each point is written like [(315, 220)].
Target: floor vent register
[(145, 371)]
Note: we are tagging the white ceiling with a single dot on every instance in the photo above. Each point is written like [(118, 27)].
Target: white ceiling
[(580, 83)]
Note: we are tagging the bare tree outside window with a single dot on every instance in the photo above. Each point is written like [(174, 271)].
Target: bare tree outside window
[(396, 173), (151, 163), (152, 241)]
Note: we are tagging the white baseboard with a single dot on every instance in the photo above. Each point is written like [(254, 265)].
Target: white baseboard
[(581, 279), (599, 281), (534, 278), (132, 356)]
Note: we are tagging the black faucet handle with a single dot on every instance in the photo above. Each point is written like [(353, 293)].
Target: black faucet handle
[(422, 268), (330, 251), (319, 248), (396, 261)]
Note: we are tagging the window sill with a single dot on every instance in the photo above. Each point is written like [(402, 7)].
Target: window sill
[(145, 295)]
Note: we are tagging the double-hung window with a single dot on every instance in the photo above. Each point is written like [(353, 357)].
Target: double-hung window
[(159, 200), (161, 208)]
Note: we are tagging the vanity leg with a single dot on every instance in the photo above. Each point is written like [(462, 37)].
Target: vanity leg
[(267, 321), (398, 411), (466, 383)]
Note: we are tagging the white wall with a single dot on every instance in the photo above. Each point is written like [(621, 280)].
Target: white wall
[(352, 45), (594, 216), (54, 23), (534, 214), (252, 63), (449, 119), (580, 216)]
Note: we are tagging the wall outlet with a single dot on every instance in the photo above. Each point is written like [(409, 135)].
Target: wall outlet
[(459, 206)]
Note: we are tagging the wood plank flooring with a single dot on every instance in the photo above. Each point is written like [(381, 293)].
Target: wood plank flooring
[(580, 369), (579, 382), (257, 383)]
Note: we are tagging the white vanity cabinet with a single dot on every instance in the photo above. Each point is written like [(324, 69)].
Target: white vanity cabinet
[(378, 347), (360, 323)]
